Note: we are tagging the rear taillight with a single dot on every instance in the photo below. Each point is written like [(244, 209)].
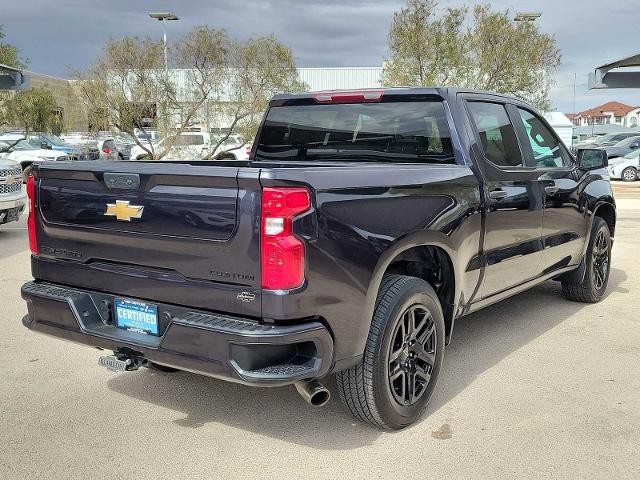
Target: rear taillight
[(31, 221), (106, 150), (281, 253)]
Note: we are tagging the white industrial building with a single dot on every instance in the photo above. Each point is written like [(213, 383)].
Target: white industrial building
[(337, 78)]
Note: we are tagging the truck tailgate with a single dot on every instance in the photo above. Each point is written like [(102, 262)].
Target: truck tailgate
[(194, 226)]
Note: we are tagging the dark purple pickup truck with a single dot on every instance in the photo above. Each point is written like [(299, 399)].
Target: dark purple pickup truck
[(362, 226)]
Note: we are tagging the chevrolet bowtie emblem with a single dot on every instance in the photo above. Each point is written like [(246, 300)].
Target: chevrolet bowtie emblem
[(123, 211)]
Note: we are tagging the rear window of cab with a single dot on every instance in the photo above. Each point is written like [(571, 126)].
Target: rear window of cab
[(403, 131)]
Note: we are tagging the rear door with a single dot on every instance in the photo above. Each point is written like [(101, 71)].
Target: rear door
[(512, 248)]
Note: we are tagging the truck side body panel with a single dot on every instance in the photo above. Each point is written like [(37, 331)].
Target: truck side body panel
[(366, 215)]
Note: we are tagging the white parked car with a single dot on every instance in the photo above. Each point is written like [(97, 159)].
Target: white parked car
[(625, 168), (13, 146), (196, 146), (12, 195)]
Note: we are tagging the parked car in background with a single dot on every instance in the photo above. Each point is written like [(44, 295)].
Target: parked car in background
[(124, 143), (114, 146), (15, 147), (623, 147), (47, 141), (12, 196), (625, 168), (108, 149), (196, 146), (148, 135), (78, 139), (605, 140)]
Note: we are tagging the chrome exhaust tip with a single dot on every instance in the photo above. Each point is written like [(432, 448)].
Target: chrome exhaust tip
[(313, 392)]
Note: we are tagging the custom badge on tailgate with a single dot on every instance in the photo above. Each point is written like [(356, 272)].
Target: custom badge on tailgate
[(123, 211)]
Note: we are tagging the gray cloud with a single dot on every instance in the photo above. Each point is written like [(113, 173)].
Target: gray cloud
[(63, 34)]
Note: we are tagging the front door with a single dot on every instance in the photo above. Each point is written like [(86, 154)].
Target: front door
[(564, 228), (513, 224)]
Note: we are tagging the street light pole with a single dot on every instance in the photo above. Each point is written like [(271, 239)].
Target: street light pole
[(163, 17), (164, 42)]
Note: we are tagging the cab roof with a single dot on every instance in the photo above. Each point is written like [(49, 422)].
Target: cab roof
[(443, 92)]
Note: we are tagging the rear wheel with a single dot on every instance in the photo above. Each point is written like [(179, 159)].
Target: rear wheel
[(591, 287), (629, 174), (393, 382)]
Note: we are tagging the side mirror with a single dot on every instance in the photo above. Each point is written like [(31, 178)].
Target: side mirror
[(592, 159), (45, 146)]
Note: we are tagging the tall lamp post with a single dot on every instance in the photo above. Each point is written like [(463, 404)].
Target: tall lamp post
[(164, 17)]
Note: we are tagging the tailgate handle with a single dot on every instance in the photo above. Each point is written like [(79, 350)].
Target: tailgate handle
[(122, 181)]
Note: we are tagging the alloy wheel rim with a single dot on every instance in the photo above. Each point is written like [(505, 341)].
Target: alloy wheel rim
[(600, 270), (412, 355), (629, 175)]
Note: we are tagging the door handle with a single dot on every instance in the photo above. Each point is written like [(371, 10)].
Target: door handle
[(551, 189), (498, 194)]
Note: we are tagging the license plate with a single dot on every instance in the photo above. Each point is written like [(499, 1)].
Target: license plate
[(136, 316), (112, 363)]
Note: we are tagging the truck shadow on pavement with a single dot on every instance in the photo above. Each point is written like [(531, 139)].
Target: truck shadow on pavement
[(480, 341)]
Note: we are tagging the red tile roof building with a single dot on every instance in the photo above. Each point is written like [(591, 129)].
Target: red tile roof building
[(608, 113)]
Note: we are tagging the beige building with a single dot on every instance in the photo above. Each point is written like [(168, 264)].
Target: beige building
[(70, 108)]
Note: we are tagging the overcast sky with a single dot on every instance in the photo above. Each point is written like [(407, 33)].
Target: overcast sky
[(58, 34)]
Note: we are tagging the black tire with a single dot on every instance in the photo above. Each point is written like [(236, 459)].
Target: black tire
[(162, 368), (629, 174), (591, 286), (367, 389)]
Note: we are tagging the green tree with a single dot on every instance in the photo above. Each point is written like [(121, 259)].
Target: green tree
[(263, 67), (219, 80), (33, 110), (9, 55), (426, 50), (487, 51), (125, 86)]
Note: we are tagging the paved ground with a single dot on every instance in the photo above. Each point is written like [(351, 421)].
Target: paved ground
[(534, 387)]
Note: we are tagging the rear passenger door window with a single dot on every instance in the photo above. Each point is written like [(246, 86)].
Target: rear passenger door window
[(497, 135), (547, 150)]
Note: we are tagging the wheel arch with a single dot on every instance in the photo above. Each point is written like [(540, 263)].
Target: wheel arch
[(430, 256), (607, 212)]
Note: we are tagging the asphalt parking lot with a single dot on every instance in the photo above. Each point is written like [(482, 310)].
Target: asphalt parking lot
[(535, 387)]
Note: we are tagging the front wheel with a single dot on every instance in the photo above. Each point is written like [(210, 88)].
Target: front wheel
[(393, 382), (629, 174), (591, 287)]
